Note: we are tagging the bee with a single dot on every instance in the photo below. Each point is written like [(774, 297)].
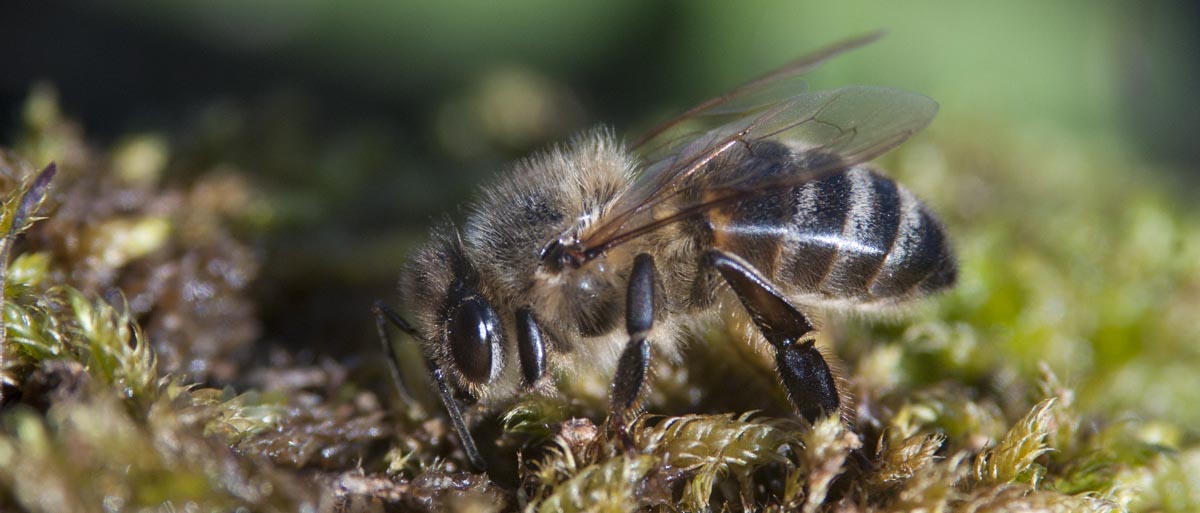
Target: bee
[(595, 254)]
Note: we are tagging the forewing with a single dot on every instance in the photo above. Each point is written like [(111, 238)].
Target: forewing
[(691, 130), (750, 96), (828, 131)]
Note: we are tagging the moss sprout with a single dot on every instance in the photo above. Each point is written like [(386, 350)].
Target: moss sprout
[(1014, 459), (711, 447), (615, 484)]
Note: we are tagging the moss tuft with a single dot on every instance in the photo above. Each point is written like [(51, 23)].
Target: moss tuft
[(133, 378), (613, 485), (709, 448), (1014, 459)]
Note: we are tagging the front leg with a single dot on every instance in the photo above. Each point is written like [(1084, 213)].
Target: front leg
[(531, 347), (635, 359), (810, 384)]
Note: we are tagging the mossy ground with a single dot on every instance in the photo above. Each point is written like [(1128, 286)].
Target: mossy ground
[(1060, 375)]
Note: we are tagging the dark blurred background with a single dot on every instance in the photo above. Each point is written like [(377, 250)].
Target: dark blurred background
[(361, 120)]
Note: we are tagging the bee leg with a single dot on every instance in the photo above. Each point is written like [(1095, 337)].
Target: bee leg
[(810, 384), (531, 347), (384, 315), (635, 359)]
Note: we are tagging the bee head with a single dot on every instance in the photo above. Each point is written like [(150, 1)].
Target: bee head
[(459, 325)]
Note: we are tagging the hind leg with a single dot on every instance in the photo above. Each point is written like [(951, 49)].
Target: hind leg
[(806, 375)]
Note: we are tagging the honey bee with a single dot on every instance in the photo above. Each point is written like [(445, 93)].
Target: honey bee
[(595, 254)]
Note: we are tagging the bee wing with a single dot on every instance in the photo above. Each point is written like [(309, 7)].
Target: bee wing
[(750, 96), (828, 131)]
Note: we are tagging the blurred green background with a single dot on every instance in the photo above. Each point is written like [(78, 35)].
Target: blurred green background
[(1096, 66), (1063, 156)]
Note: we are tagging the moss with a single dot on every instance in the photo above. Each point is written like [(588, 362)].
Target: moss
[(129, 326), (707, 449), (1014, 459)]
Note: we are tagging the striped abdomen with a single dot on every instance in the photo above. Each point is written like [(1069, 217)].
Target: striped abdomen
[(856, 235)]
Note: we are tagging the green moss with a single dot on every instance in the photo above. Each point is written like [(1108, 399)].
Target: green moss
[(610, 485), (1014, 459), (125, 389), (716, 447)]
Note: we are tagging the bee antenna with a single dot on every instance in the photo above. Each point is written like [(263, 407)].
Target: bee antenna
[(383, 312), (383, 315)]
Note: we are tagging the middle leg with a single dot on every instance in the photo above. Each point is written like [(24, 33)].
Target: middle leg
[(634, 363)]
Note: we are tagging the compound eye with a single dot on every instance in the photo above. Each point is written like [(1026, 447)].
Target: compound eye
[(473, 333)]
